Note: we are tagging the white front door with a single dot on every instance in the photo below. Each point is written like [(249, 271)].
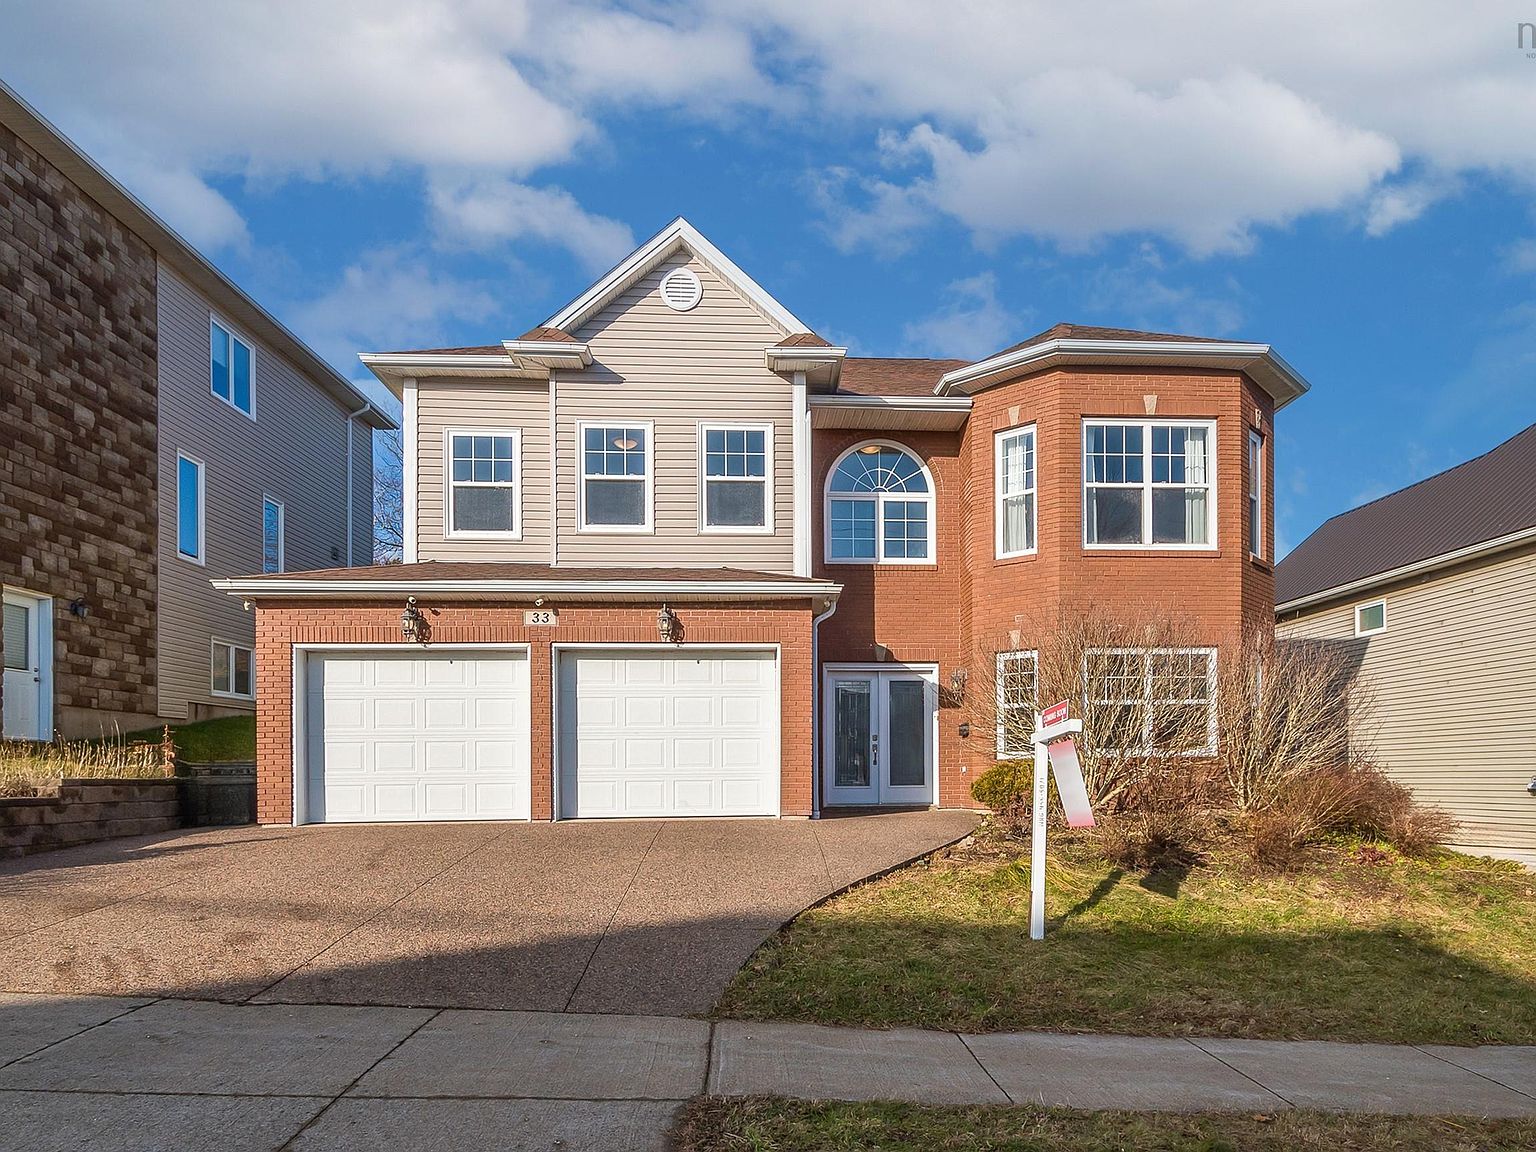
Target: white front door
[(879, 737), (669, 732), (413, 735), (27, 662)]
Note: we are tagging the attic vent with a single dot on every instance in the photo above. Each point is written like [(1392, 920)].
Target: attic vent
[(681, 290)]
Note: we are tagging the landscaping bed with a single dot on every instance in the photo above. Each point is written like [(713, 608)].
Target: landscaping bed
[(712, 1124), (1362, 943)]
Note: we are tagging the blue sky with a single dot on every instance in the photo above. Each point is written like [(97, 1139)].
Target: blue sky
[(1352, 183)]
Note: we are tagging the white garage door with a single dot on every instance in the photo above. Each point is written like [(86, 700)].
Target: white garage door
[(669, 733), (417, 736)]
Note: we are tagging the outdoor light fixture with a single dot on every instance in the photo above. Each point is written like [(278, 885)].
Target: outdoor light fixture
[(1531, 787), (872, 449), (668, 625), (624, 444), (412, 622), (80, 607), (958, 680)]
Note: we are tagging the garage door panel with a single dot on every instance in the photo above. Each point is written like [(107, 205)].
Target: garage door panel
[(674, 734), (417, 736)]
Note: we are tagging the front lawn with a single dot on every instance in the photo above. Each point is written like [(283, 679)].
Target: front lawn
[(1363, 945), (222, 739), (712, 1124)]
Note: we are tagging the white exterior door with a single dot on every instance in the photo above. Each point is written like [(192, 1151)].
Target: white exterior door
[(669, 732), (27, 662), (414, 735), (879, 737)]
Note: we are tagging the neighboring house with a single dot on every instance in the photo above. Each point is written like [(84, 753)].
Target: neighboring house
[(157, 429), (673, 554), (1434, 590)]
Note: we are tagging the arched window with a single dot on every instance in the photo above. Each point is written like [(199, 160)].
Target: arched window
[(879, 507)]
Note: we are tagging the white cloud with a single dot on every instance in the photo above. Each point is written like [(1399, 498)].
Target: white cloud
[(1520, 257), (1144, 293), (1404, 203), (185, 201), (495, 210), (972, 323)]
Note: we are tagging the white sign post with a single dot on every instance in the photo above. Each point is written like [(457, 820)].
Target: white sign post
[(1054, 752)]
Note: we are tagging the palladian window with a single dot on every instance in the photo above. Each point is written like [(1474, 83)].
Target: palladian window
[(879, 508)]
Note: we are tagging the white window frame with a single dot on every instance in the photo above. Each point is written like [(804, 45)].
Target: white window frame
[(450, 531), (1031, 491), (234, 338), (766, 480), (282, 533), (1256, 533), (202, 509), (644, 529), (1147, 748), (1359, 608), (878, 499), (230, 647), (1146, 485), (1003, 752)]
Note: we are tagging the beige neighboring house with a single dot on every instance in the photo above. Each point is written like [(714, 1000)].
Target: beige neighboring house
[(158, 430), (1434, 589)]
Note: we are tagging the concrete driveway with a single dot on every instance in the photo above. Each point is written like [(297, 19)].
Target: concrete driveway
[(611, 916)]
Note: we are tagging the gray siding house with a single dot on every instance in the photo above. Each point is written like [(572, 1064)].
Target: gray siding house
[(1434, 590), (160, 430)]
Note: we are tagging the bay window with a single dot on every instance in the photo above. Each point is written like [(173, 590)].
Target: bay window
[(1149, 484), (1014, 468)]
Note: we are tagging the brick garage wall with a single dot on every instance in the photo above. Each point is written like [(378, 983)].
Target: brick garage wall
[(77, 456), (282, 624)]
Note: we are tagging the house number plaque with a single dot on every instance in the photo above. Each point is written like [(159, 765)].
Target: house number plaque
[(541, 618)]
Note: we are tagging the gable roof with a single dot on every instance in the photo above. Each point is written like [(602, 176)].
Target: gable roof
[(94, 181), (1484, 501), (647, 257)]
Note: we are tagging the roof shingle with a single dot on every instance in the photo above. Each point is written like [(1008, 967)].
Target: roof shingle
[(892, 376)]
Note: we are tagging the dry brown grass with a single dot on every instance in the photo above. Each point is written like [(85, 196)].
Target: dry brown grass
[(32, 768)]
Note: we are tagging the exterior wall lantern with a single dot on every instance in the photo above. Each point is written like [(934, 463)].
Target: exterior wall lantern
[(958, 679), (80, 606), (412, 622), (668, 625)]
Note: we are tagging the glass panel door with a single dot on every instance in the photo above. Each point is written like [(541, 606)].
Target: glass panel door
[(853, 735), (878, 743), (905, 739)]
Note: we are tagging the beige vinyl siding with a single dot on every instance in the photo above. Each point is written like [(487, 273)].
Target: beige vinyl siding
[(492, 404), (677, 369), (295, 451), (1454, 678)]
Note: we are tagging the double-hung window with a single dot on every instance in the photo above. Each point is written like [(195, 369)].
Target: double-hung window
[(1152, 700), (879, 508), (189, 508), (484, 472), (271, 535), (232, 670), (737, 481), (1149, 484), (1014, 467), (232, 367), (1255, 493), (616, 477), (1017, 699)]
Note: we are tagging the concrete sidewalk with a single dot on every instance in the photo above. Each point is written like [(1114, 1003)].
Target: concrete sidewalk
[(120, 1075)]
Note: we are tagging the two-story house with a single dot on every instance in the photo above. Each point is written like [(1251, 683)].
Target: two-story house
[(670, 554), (158, 429)]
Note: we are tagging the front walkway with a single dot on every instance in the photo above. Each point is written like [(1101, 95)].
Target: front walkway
[(586, 916), (118, 1074)]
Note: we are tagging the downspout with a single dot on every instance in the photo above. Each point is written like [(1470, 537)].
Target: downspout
[(816, 709), (351, 518)]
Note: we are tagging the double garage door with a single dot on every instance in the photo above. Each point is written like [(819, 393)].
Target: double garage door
[(445, 735)]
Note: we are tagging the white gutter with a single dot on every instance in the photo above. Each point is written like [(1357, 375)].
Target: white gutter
[(895, 403), (1392, 575), (816, 708), (562, 588)]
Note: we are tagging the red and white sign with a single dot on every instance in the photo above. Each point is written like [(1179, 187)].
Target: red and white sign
[(1069, 783), (1054, 715)]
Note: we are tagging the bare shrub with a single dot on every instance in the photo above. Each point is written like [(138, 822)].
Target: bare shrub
[(1166, 819)]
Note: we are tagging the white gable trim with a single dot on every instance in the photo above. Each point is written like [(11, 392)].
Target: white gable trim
[(678, 234)]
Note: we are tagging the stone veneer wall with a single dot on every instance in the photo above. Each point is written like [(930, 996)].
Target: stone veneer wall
[(85, 811), (78, 449)]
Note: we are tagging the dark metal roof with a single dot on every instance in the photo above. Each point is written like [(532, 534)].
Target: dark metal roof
[(1472, 503)]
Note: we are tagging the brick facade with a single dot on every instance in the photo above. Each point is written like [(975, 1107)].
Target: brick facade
[(77, 457), (282, 624)]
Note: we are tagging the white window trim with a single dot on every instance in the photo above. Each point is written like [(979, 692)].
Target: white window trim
[(213, 646), (1032, 491), (705, 527), (1255, 493), (648, 528), (452, 533), (234, 335), (1147, 748), (1002, 753), (879, 498), (282, 533), (202, 509), (1147, 487), (1359, 608)]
